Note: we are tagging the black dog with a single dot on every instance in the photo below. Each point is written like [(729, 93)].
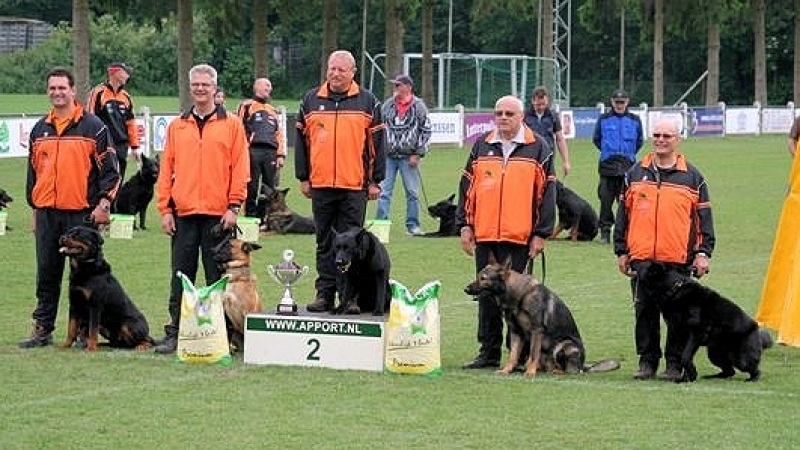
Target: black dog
[(135, 194), (97, 302), (445, 211), (733, 338), (364, 265), (574, 214)]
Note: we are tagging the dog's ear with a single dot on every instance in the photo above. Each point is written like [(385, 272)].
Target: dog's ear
[(250, 247), (492, 259), (507, 265), (451, 198)]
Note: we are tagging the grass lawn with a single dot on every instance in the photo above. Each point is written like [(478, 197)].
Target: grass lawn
[(118, 399)]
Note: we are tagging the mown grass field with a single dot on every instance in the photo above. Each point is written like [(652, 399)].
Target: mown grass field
[(116, 399)]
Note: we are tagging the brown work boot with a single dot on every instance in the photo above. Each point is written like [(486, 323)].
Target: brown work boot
[(38, 338), (670, 374), (645, 372), (320, 305)]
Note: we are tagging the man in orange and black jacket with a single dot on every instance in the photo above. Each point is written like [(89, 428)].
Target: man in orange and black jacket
[(201, 185), (72, 179), (340, 161), (506, 207), (664, 216), (113, 105), (267, 154)]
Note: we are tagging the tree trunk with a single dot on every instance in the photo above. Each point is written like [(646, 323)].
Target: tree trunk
[(330, 36), (185, 50), (796, 77), (426, 81), (712, 63), (658, 54), (81, 48), (547, 50), (395, 30), (260, 65), (760, 52)]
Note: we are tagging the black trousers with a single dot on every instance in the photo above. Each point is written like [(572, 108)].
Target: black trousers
[(50, 225), (490, 316), (122, 157), (608, 190), (647, 327), (262, 170), (193, 238), (338, 209)]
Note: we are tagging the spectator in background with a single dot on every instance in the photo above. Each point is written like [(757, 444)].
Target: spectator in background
[(219, 97), (408, 130), (113, 105), (541, 119), (201, 186), (86, 180), (794, 132), (508, 171), (267, 155), (619, 136), (339, 161), (668, 222)]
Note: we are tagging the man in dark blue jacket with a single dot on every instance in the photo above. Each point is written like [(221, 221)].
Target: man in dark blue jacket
[(619, 136)]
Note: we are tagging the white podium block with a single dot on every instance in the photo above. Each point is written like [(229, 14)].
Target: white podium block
[(336, 342)]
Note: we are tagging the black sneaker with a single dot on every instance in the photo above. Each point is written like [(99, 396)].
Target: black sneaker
[(38, 338), (605, 237), (167, 346), (482, 362), (645, 372), (319, 305)]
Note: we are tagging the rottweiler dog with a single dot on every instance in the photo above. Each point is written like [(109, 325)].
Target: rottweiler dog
[(97, 303), (136, 194), (5, 199), (445, 211), (535, 316), (364, 267), (574, 214), (281, 219), (241, 294), (733, 339)]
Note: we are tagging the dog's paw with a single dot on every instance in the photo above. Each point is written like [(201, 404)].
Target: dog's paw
[(688, 375)]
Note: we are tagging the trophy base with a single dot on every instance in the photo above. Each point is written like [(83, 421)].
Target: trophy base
[(286, 309)]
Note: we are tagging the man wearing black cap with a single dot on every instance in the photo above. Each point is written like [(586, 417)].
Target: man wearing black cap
[(408, 131), (618, 136), (113, 105)]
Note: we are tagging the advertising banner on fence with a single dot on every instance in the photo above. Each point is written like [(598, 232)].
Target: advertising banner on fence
[(741, 120), (447, 128), (776, 120), (476, 125), (584, 121), (14, 135), (706, 122)]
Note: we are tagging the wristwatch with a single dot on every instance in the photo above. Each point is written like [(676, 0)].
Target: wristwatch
[(234, 208)]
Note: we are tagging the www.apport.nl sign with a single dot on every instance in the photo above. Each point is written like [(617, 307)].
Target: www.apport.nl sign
[(313, 326)]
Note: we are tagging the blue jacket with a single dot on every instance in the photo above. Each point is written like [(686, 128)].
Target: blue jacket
[(618, 135)]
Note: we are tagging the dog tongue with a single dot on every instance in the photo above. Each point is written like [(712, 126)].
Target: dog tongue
[(63, 250)]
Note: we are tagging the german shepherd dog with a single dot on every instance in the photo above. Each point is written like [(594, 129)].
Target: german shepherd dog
[(537, 317), (574, 214), (364, 266), (5, 199), (136, 194), (282, 220), (97, 302), (445, 211), (241, 294), (733, 339)]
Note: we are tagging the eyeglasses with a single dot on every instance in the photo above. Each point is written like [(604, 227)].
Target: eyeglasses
[(663, 136), (504, 114)]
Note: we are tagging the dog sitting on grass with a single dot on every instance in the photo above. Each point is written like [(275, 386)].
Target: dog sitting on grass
[(280, 219), (575, 214), (136, 194), (445, 211)]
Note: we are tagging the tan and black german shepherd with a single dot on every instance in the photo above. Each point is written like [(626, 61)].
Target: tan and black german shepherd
[(241, 294), (537, 317)]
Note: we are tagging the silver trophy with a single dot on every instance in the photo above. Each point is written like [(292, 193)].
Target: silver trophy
[(287, 273)]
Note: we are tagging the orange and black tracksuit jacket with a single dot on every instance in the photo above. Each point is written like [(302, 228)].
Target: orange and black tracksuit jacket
[(340, 139), (71, 165), (204, 169), (665, 214), (115, 109), (262, 124), (508, 201)]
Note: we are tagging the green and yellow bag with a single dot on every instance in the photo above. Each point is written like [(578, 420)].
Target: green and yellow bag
[(202, 335), (412, 331)]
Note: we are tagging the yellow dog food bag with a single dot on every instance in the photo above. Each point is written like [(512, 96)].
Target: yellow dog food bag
[(202, 335), (412, 331)]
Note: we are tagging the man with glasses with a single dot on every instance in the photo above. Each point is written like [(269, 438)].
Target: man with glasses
[(665, 217), (506, 207), (618, 135), (408, 130)]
